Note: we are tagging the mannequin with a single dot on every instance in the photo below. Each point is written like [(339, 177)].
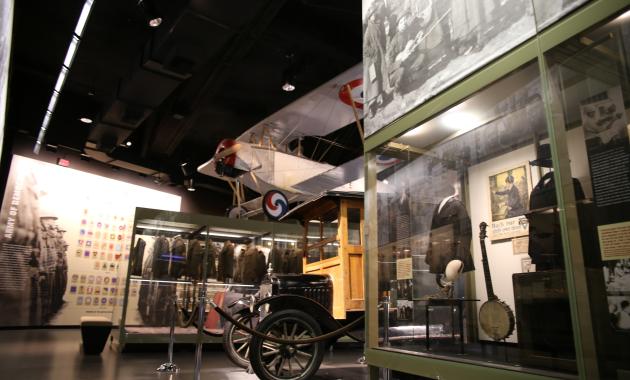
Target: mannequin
[(451, 235), (225, 268)]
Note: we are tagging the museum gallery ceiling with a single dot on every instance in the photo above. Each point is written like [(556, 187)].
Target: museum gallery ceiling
[(211, 70)]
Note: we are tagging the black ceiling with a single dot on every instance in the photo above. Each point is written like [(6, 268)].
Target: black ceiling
[(211, 71)]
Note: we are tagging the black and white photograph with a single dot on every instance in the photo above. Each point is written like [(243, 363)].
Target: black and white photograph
[(414, 49), (604, 118), (617, 277), (404, 310)]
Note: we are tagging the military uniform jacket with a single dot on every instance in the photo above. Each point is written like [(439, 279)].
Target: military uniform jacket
[(226, 263), (450, 237), (248, 266)]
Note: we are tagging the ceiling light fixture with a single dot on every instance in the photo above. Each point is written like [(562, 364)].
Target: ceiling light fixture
[(149, 9), (190, 186), (288, 86), (86, 120), (155, 22), (63, 74)]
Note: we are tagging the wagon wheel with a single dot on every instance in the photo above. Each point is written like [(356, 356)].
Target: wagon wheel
[(236, 341), (273, 361)]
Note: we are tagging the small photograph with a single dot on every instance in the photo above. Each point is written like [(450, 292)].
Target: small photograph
[(104, 301), (89, 290), (80, 300), (90, 279), (509, 193), (617, 276), (81, 242), (114, 280), (103, 245), (90, 233), (97, 235), (126, 256), (112, 301), (118, 248), (82, 232), (109, 257), (86, 254), (103, 256), (84, 221), (82, 279), (104, 266), (117, 256), (404, 290), (619, 310), (97, 290), (405, 310), (105, 290), (73, 289), (112, 236), (111, 246), (106, 280), (78, 253), (88, 243), (95, 255), (81, 289), (99, 280), (74, 278), (112, 267), (113, 291), (99, 225), (88, 300), (97, 265)]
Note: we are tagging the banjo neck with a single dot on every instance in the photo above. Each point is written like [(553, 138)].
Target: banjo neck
[(484, 260)]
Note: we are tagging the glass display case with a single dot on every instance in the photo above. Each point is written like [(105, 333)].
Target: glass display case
[(175, 258), (501, 247)]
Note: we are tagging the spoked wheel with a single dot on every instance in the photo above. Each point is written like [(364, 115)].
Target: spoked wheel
[(273, 361), (236, 341)]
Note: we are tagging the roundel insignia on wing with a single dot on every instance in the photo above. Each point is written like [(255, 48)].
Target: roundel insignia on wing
[(275, 204), (355, 95)]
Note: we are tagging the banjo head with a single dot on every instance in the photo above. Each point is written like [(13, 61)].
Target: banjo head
[(496, 319)]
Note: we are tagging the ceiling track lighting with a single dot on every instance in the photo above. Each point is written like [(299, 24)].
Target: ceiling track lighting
[(63, 73)]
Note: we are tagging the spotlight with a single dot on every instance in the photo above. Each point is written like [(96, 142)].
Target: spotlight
[(190, 185), (288, 80), (128, 143), (288, 86), (86, 120), (151, 13), (184, 168)]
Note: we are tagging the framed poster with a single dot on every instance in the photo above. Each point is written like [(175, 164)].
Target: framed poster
[(509, 199)]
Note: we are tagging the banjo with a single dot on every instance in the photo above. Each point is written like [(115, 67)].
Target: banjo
[(495, 316)]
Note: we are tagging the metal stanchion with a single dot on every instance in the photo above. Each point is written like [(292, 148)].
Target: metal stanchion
[(170, 367), (386, 300), (200, 320)]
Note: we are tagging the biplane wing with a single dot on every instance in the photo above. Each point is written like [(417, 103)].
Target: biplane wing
[(318, 113)]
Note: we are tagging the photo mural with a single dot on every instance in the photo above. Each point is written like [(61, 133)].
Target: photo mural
[(65, 242), (415, 49)]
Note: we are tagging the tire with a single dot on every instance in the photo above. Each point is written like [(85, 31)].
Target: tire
[(272, 361), (236, 341)]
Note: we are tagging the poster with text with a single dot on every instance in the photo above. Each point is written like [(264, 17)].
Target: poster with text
[(509, 200), (65, 242)]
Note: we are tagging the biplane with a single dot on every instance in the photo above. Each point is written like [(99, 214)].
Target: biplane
[(287, 150)]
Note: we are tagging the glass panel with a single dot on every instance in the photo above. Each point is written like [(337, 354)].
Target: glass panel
[(331, 250), (354, 226), (452, 289), (592, 92), (313, 256), (548, 12)]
